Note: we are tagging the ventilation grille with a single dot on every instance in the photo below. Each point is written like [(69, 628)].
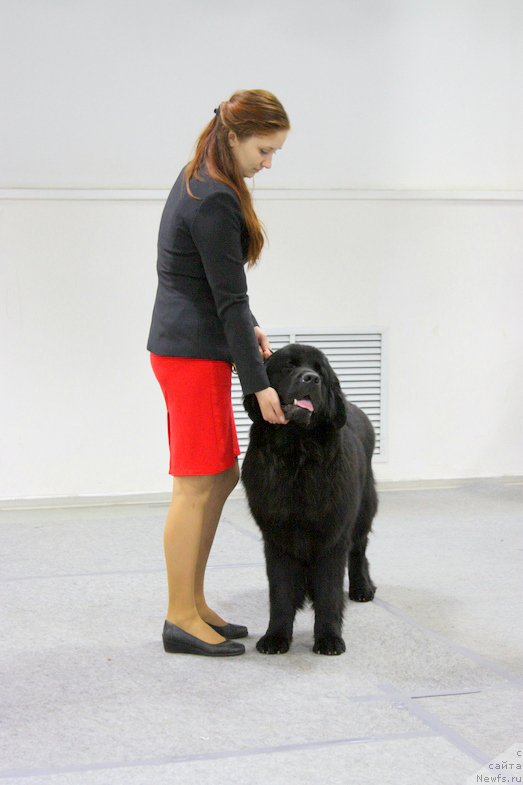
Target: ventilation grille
[(356, 359)]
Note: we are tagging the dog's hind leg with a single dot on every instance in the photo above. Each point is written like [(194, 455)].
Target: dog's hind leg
[(287, 595), (361, 587), (326, 592)]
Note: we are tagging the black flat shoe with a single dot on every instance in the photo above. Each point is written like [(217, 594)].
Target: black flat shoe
[(177, 641), (231, 630)]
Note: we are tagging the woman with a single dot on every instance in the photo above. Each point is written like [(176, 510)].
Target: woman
[(201, 324)]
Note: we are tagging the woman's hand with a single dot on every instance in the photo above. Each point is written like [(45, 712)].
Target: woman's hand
[(263, 343), (268, 399), (270, 407)]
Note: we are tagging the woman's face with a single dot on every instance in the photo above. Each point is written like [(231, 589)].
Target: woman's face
[(255, 152)]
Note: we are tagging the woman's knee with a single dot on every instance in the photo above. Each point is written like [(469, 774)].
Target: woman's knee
[(203, 487), (231, 477), (198, 488), (225, 482)]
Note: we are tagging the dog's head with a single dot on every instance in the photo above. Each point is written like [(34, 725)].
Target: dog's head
[(309, 390)]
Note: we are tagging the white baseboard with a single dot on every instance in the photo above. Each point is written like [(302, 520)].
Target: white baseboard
[(163, 499)]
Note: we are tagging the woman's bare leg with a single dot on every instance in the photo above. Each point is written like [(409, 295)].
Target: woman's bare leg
[(184, 527), (224, 484)]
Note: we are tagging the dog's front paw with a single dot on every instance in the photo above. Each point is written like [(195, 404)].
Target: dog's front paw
[(363, 593), (273, 644), (329, 644)]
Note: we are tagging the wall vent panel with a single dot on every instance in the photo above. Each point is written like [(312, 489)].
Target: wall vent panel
[(357, 359)]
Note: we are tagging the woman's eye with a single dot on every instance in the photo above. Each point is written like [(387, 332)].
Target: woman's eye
[(265, 152)]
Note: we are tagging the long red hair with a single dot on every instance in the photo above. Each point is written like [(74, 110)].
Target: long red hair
[(247, 113)]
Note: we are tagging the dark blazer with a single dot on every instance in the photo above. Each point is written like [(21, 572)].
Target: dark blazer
[(202, 307)]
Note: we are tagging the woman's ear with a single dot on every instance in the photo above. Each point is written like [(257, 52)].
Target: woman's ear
[(233, 139), (251, 406)]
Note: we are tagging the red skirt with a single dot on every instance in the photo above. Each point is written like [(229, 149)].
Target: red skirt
[(200, 419)]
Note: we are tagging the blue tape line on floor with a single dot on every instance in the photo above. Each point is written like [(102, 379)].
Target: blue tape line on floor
[(437, 726), (485, 662), (166, 761)]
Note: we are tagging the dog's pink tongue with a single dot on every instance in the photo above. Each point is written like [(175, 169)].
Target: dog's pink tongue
[(305, 404)]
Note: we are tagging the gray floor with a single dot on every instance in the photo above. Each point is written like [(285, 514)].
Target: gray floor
[(428, 691)]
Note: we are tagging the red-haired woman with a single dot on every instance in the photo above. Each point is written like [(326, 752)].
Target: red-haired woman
[(201, 324)]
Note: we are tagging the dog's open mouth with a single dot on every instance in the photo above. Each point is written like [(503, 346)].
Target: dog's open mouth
[(304, 405)]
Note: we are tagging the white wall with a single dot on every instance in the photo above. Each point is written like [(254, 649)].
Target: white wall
[(445, 281), (383, 95)]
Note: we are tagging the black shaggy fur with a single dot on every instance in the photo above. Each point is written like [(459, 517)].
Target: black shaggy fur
[(311, 491)]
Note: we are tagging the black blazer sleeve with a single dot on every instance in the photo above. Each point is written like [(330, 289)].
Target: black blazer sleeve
[(216, 231)]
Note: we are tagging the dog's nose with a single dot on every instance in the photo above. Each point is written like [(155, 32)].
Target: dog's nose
[(310, 378)]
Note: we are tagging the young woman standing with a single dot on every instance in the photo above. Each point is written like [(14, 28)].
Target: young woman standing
[(201, 324)]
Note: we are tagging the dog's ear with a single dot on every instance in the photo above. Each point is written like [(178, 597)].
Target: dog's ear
[(336, 402), (340, 408), (251, 406)]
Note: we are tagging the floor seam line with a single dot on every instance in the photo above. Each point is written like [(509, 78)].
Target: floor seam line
[(438, 727), (480, 659), (151, 571), (167, 760)]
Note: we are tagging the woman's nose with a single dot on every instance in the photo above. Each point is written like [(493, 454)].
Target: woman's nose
[(267, 162)]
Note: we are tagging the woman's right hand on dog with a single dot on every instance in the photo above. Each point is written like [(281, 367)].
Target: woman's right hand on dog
[(269, 403)]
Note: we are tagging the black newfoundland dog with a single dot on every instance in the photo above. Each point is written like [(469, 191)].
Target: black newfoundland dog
[(311, 491)]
